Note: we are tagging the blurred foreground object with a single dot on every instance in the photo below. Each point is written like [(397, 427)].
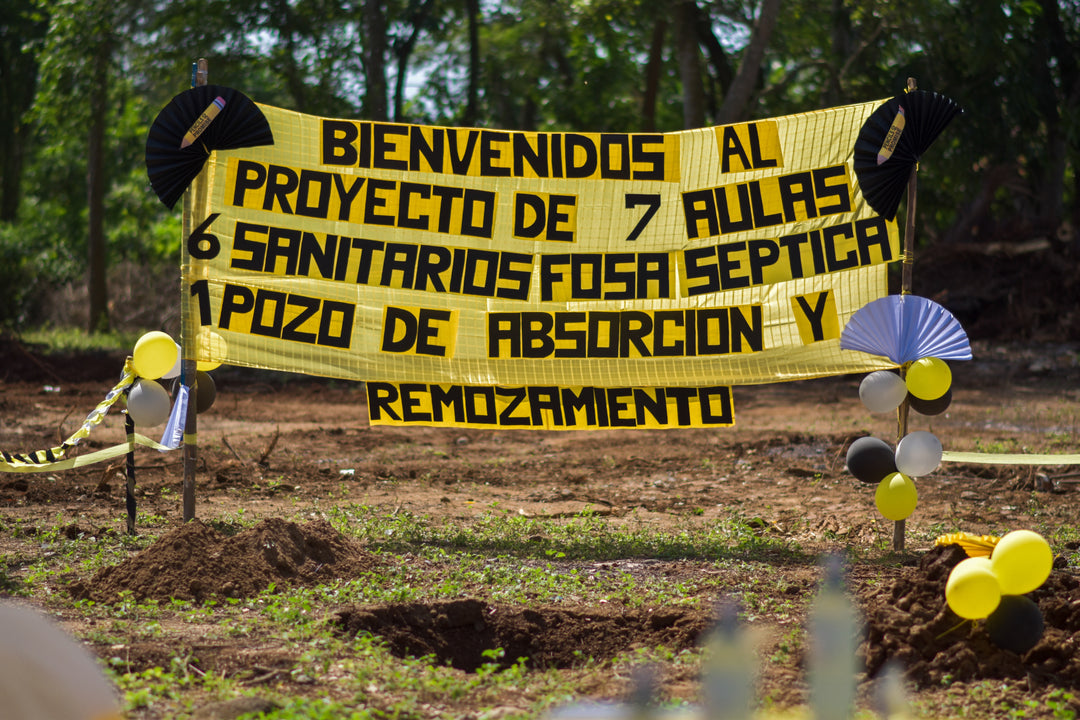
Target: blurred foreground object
[(46, 675)]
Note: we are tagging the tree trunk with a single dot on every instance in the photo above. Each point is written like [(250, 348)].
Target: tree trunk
[(974, 218), (1057, 102), (714, 50), (652, 75), (18, 85), (841, 51), (742, 87), (97, 290), (472, 8), (402, 52), (1052, 194), (689, 64), (12, 148), (375, 60), (719, 80), (289, 67)]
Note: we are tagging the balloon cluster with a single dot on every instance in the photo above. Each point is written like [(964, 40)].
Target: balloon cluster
[(927, 387), (927, 390), (157, 357), (995, 588)]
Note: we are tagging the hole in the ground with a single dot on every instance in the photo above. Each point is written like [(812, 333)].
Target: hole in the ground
[(459, 632)]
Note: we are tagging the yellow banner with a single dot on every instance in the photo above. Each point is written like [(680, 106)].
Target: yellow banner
[(448, 257), (549, 407)]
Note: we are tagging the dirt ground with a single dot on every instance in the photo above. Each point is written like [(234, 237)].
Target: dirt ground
[(273, 442)]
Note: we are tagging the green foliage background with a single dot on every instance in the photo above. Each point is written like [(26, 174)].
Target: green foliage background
[(1005, 170)]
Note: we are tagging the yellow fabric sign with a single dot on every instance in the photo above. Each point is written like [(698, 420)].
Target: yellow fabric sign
[(453, 257), (549, 407)]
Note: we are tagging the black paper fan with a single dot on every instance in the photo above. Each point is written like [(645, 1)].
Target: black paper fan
[(239, 123), (884, 176)]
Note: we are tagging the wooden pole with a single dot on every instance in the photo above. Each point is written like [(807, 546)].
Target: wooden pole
[(189, 331), (129, 488), (900, 526)]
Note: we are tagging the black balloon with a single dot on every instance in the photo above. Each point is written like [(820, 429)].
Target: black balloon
[(205, 390), (930, 407), (1016, 624), (871, 460)]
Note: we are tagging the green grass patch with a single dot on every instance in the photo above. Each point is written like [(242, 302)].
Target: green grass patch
[(586, 536), (60, 340)]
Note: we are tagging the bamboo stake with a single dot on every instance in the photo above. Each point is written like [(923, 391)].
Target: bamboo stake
[(900, 526), (189, 366)]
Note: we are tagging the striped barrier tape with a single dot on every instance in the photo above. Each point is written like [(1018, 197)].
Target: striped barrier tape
[(55, 458)]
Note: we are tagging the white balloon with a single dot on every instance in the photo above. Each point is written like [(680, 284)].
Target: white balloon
[(882, 391), (918, 454), (148, 403)]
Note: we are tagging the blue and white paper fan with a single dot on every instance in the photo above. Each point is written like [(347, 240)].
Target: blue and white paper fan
[(904, 328)]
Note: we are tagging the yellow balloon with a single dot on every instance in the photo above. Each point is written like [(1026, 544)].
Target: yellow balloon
[(1022, 561), (928, 378), (155, 354), (212, 342), (896, 496), (972, 590)]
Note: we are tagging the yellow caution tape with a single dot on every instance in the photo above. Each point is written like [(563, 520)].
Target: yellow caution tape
[(88, 459), (56, 458), (1009, 458)]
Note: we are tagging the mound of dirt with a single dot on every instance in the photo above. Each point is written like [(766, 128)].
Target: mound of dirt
[(458, 632), (196, 561), (908, 621)]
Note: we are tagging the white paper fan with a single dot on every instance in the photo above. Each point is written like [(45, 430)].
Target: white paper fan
[(904, 328)]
